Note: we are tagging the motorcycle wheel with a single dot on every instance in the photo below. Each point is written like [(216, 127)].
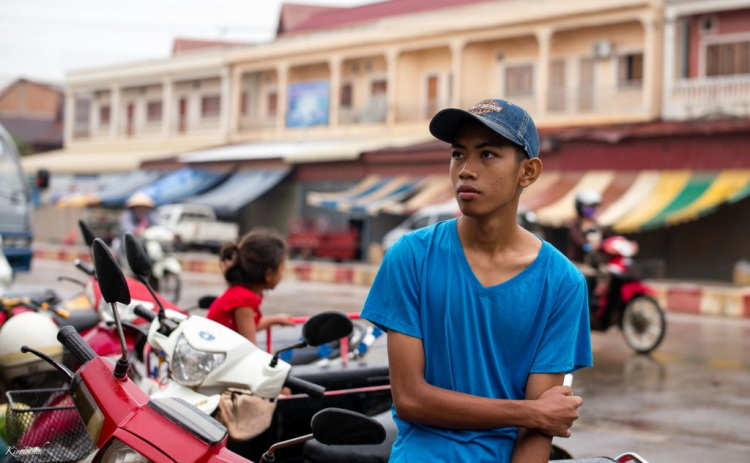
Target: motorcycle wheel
[(643, 324), (170, 286)]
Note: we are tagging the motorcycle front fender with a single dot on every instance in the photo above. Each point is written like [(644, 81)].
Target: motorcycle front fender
[(636, 288)]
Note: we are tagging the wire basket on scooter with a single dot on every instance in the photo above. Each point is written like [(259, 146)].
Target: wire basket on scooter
[(43, 426)]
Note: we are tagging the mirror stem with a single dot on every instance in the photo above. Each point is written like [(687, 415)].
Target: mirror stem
[(166, 325), (269, 456), (121, 368), (275, 359)]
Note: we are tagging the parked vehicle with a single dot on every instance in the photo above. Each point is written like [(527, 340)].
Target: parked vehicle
[(196, 226), (422, 218), (122, 421), (315, 238), (33, 319), (15, 206), (624, 299)]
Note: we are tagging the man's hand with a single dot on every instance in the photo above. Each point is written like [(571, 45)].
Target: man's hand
[(558, 409)]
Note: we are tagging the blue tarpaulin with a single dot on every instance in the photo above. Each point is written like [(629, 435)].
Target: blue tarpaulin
[(180, 184), (238, 190)]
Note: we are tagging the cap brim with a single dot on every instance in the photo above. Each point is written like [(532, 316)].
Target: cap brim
[(446, 122)]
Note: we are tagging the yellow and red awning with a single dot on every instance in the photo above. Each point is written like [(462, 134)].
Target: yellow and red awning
[(637, 201)]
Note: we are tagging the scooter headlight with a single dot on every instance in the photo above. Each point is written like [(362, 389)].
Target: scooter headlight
[(190, 366), (118, 451)]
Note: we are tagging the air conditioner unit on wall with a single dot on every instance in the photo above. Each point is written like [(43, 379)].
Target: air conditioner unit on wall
[(602, 49)]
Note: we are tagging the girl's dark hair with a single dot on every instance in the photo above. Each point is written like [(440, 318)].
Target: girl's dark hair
[(258, 251)]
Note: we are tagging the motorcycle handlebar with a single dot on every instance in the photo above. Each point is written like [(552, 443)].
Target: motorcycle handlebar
[(305, 387), (84, 267), (69, 337), (144, 313)]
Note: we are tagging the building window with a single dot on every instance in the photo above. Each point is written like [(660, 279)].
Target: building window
[(273, 101), (726, 59), (519, 80), (243, 103), (210, 106), (630, 70), (379, 86), (82, 114), (153, 111), (346, 96), (104, 115)]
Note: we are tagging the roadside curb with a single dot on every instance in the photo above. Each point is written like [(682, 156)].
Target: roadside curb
[(677, 297), (300, 270)]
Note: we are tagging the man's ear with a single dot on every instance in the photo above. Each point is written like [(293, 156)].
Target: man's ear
[(530, 171)]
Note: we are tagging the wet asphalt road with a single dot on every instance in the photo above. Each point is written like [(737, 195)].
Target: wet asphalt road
[(687, 402)]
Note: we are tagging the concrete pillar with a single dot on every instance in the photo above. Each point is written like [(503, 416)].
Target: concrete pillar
[(334, 64), (94, 116), (457, 53), (670, 63), (541, 83), (651, 96), (392, 65), (226, 102), (282, 91), (114, 110), (235, 106), (70, 115), (167, 105)]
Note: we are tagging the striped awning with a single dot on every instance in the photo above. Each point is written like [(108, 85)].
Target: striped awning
[(632, 200), (370, 196), (637, 201)]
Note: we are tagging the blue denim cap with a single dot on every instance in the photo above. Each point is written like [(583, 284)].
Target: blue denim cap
[(507, 119)]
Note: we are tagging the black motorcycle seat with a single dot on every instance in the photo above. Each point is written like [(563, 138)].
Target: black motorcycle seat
[(80, 319), (315, 452), (336, 376)]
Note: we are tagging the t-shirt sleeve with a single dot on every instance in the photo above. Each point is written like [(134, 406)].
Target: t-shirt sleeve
[(566, 340), (393, 300)]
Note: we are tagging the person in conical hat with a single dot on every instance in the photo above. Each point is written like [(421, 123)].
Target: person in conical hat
[(138, 215)]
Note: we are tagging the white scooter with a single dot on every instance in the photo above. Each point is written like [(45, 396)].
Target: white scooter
[(205, 358), (165, 269)]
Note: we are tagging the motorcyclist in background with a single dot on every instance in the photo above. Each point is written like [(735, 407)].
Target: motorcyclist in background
[(584, 232), (139, 214)]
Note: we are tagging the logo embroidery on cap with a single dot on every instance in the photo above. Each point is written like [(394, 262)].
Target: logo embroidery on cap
[(486, 106)]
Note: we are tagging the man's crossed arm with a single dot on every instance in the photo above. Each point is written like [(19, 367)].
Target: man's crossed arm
[(550, 414)]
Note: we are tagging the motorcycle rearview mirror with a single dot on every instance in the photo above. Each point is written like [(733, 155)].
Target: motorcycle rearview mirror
[(335, 426), (86, 233), (320, 329), (206, 301), (140, 264), (326, 327), (114, 289)]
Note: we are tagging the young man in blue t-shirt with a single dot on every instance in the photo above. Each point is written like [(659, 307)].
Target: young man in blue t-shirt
[(483, 317)]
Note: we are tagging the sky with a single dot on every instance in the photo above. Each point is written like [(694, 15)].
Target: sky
[(42, 39)]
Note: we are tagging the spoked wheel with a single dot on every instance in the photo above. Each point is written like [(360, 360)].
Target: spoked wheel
[(170, 286), (643, 324)]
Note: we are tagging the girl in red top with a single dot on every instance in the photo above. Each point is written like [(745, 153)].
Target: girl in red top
[(253, 266)]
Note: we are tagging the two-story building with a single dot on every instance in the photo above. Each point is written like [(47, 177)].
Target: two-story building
[(339, 104)]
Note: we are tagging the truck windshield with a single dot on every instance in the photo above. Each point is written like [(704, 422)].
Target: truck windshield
[(11, 177)]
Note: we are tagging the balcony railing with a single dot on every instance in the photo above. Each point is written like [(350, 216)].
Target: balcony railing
[(622, 99), (710, 89)]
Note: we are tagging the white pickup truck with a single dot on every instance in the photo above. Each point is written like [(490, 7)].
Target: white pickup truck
[(196, 226)]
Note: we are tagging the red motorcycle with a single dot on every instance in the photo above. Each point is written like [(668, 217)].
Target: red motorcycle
[(87, 312), (619, 297), (126, 425)]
